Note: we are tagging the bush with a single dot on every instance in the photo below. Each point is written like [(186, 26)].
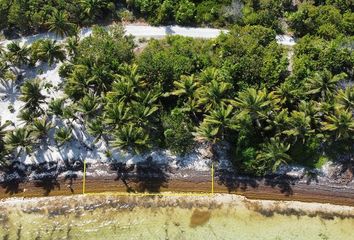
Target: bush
[(178, 132)]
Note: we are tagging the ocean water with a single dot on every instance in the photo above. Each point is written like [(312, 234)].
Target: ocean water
[(221, 217)]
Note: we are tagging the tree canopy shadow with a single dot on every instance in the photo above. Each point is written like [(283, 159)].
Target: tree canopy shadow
[(283, 182), (146, 176), (234, 182), (45, 176), (14, 175)]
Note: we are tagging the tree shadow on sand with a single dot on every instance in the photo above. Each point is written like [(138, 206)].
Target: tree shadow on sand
[(283, 182), (45, 176), (234, 182), (147, 176), (14, 175)]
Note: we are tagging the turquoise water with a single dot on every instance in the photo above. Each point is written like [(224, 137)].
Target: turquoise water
[(221, 217)]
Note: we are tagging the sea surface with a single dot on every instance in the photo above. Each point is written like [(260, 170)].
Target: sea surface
[(220, 217)]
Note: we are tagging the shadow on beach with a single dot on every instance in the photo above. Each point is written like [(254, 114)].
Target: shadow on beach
[(147, 176), (14, 175), (234, 182)]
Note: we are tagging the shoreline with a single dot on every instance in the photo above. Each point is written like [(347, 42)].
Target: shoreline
[(188, 181)]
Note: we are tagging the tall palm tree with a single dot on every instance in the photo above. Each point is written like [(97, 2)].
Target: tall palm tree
[(59, 23), (272, 155), (299, 125), (96, 128), (341, 124), (71, 46), (221, 119), (93, 8), (56, 107), (131, 137), (345, 98), (18, 55), (185, 87), (40, 128), (31, 94), (62, 135), (77, 84), (116, 114), (323, 84), (88, 105), (3, 132), (253, 102), (19, 140), (214, 94), (51, 52)]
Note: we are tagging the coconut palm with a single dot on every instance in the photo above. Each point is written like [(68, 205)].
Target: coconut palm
[(3, 132), (96, 128), (143, 113), (116, 114), (93, 8), (345, 98), (214, 94), (40, 128), (220, 119), (323, 84), (207, 132), (272, 155), (253, 102), (71, 46), (51, 52), (341, 124), (185, 87), (88, 105), (55, 107), (62, 135), (131, 137), (19, 140), (31, 94), (299, 125), (18, 55), (59, 24), (77, 84)]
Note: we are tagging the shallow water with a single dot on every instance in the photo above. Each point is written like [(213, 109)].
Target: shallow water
[(221, 217)]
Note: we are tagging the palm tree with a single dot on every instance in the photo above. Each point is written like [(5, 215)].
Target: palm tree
[(253, 102), (88, 105), (71, 46), (272, 155), (93, 8), (62, 135), (16, 54), (31, 94), (131, 137), (341, 124), (77, 84), (214, 94), (56, 106), (18, 139), (323, 84), (116, 114), (220, 119), (96, 128), (3, 132), (345, 98), (49, 51), (299, 125), (185, 87), (59, 23), (40, 128), (143, 113)]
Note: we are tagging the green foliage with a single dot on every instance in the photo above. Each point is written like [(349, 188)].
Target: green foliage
[(31, 94), (178, 129), (62, 135)]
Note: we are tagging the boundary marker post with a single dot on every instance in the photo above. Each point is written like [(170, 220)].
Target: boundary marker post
[(84, 178)]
